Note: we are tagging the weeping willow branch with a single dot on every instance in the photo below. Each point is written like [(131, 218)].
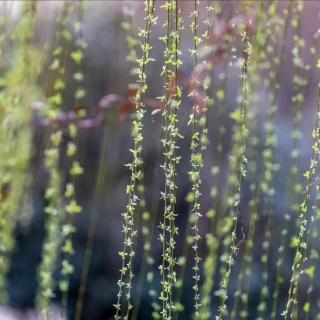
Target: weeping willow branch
[(241, 117), (72, 207), (300, 255), (54, 191), (127, 253), (172, 100), (294, 186), (18, 89), (197, 147)]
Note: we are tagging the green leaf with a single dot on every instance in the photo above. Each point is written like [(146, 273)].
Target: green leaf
[(76, 169), (73, 207), (77, 56)]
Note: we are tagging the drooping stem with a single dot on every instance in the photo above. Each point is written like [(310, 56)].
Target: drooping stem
[(54, 191), (305, 209), (172, 101), (241, 173), (129, 229)]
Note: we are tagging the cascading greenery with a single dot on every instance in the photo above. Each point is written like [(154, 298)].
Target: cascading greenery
[(313, 256), (209, 263), (54, 192), (304, 221), (241, 160), (72, 207), (144, 220), (270, 165), (294, 186), (18, 92), (172, 102), (241, 296), (238, 256), (197, 148), (127, 254)]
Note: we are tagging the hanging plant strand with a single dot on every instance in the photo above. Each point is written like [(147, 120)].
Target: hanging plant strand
[(300, 255), (241, 173), (172, 100), (130, 233), (196, 160)]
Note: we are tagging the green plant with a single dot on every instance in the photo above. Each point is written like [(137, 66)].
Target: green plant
[(305, 209), (55, 234), (72, 207), (18, 82), (127, 254), (215, 213), (240, 116), (197, 147)]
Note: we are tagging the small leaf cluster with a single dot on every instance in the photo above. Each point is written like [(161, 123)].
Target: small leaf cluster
[(172, 101), (130, 233)]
